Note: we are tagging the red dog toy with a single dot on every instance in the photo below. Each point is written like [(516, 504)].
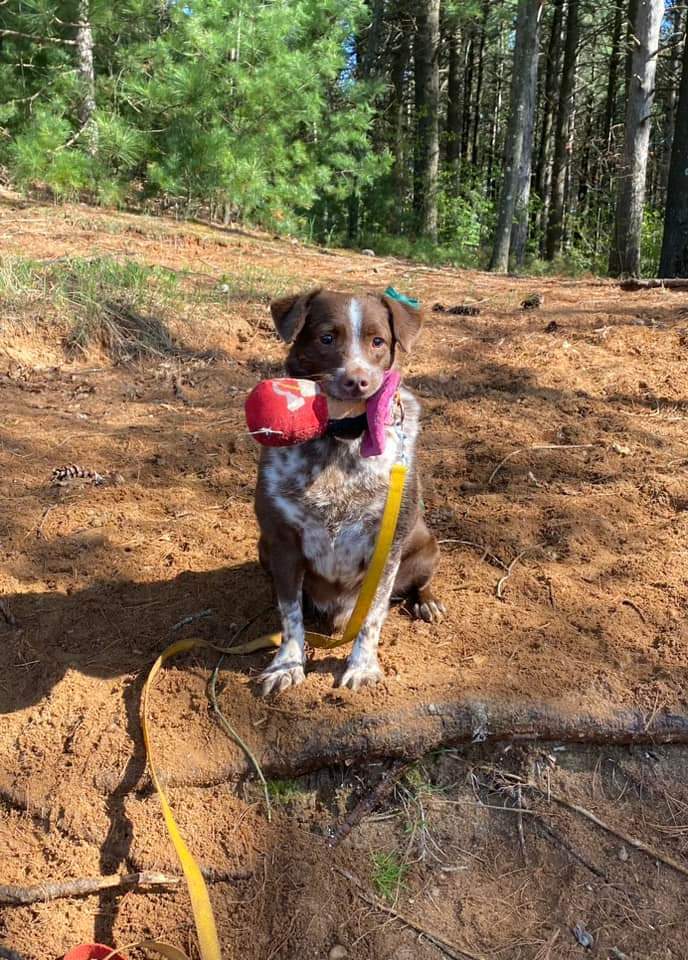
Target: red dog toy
[(281, 413)]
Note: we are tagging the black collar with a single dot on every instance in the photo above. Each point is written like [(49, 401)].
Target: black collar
[(349, 428)]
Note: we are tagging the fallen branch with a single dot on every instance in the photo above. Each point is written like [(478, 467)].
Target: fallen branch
[(539, 446), (673, 283), (446, 946), (370, 802), (614, 831), (510, 569), (20, 896), (414, 731)]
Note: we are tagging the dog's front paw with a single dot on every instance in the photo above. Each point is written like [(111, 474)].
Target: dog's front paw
[(429, 608), (361, 674), (278, 678), (286, 670)]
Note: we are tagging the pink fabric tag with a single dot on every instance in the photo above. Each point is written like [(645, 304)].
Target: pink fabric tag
[(379, 414)]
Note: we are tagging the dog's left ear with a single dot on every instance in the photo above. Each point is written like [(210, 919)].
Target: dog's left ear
[(289, 314), (405, 322)]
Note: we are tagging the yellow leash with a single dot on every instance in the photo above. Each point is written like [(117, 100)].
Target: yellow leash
[(204, 918)]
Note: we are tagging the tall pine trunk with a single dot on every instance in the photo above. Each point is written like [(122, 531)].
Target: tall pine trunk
[(674, 258), (87, 78), (519, 231), (520, 122), (477, 110), (543, 172), (453, 135), (555, 223), (672, 67), (427, 41), (624, 257)]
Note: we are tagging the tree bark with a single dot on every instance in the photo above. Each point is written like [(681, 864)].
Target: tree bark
[(519, 231), (673, 67), (427, 118), (674, 258), (520, 122), (477, 110), (624, 257), (555, 223), (543, 173), (87, 78), (454, 106), (613, 78)]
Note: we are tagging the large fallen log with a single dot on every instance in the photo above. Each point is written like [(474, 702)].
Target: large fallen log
[(670, 283), (413, 732)]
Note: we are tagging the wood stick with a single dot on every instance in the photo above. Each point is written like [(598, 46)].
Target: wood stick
[(671, 283), (83, 887), (416, 730), (17, 895), (450, 949), (372, 799), (539, 446)]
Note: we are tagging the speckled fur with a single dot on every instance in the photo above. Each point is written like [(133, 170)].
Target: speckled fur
[(319, 507)]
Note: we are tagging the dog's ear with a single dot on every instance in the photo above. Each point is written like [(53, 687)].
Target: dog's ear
[(289, 314), (405, 322)]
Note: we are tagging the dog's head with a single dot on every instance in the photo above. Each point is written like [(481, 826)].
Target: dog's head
[(344, 342)]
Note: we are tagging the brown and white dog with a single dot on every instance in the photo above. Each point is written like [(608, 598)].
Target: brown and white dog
[(319, 504)]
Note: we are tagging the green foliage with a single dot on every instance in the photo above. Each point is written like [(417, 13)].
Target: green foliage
[(283, 791), (389, 874), (651, 242)]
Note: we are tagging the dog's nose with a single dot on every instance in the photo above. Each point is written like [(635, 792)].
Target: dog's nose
[(356, 382)]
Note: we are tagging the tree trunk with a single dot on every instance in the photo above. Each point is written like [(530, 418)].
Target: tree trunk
[(519, 231), (555, 224), (87, 78), (477, 113), (427, 118), (520, 122), (625, 253), (496, 115), (543, 173), (673, 66), (454, 106), (399, 175), (674, 258), (469, 57), (613, 78)]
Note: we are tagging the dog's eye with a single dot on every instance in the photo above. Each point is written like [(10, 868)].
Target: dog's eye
[(327, 339), (378, 342)]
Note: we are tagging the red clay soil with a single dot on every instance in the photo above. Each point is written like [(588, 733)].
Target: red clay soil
[(554, 447)]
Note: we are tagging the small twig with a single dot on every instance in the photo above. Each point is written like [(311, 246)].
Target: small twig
[(633, 606), (510, 569), (17, 895), (224, 722), (519, 824), (556, 837), (540, 446), (449, 949), (7, 614), (192, 617), (370, 801), (614, 831)]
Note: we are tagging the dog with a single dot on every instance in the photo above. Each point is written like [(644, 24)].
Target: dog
[(319, 504)]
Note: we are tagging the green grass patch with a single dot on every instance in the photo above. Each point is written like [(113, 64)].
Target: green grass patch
[(389, 874), (283, 791)]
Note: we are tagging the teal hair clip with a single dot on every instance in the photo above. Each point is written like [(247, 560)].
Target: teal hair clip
[(395, 295)]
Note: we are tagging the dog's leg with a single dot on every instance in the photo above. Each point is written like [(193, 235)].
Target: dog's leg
[(286, 669), (362, 668), (418, 566)]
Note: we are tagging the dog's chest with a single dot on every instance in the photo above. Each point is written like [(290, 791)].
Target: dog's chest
[(342, 509)]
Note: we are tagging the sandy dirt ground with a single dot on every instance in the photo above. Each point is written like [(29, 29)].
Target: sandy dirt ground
[(553, 447)]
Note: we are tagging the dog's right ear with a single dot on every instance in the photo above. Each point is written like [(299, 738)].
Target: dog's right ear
[(289, 314)]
